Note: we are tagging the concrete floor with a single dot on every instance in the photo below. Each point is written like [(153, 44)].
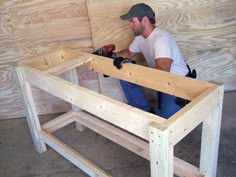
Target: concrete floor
[(19, 159)]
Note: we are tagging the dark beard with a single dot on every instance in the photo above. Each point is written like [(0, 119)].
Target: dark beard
[(140, 30)]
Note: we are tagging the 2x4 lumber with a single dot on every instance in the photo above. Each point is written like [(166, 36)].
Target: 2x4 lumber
[(74, 79), (58, 122), (116, 135), (161, 154), (210, 137), (151, 78), (188, 118), (132, 143), (50, 59), (68, 65), (185, 169), (32, 115), (44, 61), (120, 114), (73, 156)]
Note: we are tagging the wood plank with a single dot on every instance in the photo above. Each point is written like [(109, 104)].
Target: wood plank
[(74, 157), (203, 29), (161, 153), (58, 122), (11, 102), (71, 64), (132, 143), (32, 115), (151, 78), (211, 137), (188, 118), (116, 135), (120, 114), (184, 169), (30, 28)]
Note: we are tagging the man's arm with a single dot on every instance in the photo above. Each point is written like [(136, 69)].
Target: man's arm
[(163, 64), (125, 53)]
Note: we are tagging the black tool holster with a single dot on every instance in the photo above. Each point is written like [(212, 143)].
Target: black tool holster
[(180, 101)]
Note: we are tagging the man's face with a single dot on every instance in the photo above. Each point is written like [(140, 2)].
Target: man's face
[(137, 26)]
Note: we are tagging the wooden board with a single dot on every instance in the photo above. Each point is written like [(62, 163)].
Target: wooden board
[(204, 30), (29, 28)]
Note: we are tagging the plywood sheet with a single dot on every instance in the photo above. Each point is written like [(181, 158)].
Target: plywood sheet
[(30, 28), (204, 30)]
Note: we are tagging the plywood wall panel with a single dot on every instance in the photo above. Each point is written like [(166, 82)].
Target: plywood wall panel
[(11, 103), (29, 28), (204, 29)]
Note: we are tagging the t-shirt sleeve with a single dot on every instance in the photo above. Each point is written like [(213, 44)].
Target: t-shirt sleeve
[(134, 46), (163, 49)]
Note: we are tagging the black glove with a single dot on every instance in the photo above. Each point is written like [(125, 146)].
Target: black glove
[(117, 62), (105, 53)]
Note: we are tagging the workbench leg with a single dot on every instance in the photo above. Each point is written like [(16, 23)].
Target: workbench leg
[(74, 79), (210, 139), (32, 115), (161, 154)]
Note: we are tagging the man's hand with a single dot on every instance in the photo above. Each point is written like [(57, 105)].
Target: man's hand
[(117, 62)]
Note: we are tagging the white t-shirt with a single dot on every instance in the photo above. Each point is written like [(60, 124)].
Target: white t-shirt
[(160, 44)]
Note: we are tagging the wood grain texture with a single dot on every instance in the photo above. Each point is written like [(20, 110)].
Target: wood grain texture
[(29, 28), (204, 29)]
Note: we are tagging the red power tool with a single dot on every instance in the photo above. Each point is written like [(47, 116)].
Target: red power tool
[(106, 51)]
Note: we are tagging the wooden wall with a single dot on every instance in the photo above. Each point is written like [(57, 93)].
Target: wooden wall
[(204, 29), (32, 27)]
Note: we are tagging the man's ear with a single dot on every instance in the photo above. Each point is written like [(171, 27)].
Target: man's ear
[(145, 19)]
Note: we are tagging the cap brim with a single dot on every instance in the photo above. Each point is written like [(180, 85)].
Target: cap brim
[(125, 17)]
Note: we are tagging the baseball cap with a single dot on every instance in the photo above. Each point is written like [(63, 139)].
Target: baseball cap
[(139, 10)]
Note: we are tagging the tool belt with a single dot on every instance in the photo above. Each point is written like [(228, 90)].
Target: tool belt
[(180, 101)]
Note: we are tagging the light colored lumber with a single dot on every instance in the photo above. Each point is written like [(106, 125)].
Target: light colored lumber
[(65, 66), (151, 78), (184, 169), (132, 143), (189, 117), (45, 60), (74, 79), (161, 153), (74, 157), (32, 115), (120, 114), (211, 136), (58, 122), (116, 135)]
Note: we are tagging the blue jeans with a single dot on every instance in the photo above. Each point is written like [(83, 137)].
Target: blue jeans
[(135, 96)]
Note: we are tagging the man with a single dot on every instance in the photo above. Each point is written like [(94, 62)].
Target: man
[(160, 51)]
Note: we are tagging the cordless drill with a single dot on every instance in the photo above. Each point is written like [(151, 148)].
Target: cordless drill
[(106, 51)]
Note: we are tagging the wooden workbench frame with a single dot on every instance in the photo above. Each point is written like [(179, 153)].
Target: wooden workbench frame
[(148, 135)]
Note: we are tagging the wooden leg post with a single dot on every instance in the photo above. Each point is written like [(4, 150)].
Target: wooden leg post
[(74, 79), (32, 115), (210, 139), (161, 154)]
